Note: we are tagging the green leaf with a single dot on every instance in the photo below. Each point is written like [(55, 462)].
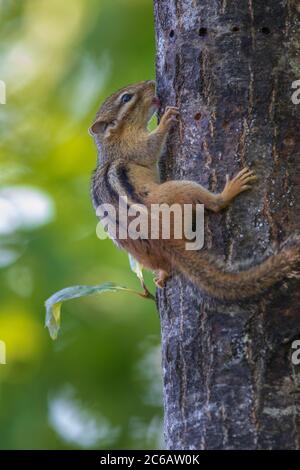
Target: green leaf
[(136, 267), (54, 303)]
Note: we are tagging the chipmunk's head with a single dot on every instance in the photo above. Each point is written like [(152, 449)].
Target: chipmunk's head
[(129, 108)]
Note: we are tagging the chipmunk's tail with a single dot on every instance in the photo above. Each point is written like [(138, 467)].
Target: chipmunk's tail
[(209, 275)]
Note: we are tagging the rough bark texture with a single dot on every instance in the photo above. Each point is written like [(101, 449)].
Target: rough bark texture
[(229, 382)]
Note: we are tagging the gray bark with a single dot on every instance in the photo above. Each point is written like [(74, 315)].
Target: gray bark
[(229, 382)]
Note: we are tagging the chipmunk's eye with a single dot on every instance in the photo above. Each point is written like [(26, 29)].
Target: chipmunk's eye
[(125, 98)]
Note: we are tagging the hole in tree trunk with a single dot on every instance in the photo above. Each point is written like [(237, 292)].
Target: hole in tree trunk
[(202, 32)]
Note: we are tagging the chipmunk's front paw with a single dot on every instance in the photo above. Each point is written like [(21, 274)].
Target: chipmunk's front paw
[(241, 182), (170, 116)]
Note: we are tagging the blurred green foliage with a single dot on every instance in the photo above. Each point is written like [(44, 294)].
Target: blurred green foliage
[(99, 385)]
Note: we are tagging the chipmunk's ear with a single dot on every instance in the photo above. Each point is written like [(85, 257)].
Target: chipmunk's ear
[(102, 127), (98, 127)]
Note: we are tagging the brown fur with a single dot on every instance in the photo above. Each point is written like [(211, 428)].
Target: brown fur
[(127, 157)]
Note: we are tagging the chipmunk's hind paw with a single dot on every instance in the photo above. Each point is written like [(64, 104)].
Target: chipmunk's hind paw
[(160, 280)]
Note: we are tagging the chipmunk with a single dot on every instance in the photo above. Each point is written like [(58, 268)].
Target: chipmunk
[(127, 159)]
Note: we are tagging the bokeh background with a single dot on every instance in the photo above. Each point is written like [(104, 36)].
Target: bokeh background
[(97, 386)]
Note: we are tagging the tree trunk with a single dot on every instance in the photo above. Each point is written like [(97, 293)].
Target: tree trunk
[(229, 382)]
